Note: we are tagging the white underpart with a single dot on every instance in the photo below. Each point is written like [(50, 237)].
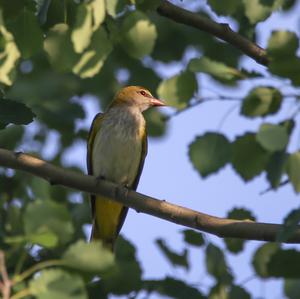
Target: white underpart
[(118, 146)]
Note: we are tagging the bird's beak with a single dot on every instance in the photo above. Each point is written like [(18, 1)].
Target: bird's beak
[(157, 102)]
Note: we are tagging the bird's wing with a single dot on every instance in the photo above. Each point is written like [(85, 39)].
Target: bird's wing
[(96, 124), (137, 178)]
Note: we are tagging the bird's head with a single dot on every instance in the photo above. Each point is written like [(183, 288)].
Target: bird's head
[(137, 96)]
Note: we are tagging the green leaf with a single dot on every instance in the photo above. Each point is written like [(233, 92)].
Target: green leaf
[(172, 288), (59, 48), (290, 225), (276, 168), (138, 35), (193, 238), (94, 57), (282, 264), (225, 10), (96, 257), (217, 70), (59, 284), (233, 244), (261, 101), (292, 288), (218, 291), (98, 11), (82, 32), (282, 47), (114, 7), (15, 113), (178, 90), (237, 292), (262, 257), (216, 264), (256, 11), (27, 33), (118, 281), (293, 166), (11, 136), (209, 153), (272, 137), (249, 158), (155, 122), (9, 55), (48, 216), (283, 44), (176, 259)]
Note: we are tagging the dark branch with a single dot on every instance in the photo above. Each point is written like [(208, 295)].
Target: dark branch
[(222, 31), (225, 228)]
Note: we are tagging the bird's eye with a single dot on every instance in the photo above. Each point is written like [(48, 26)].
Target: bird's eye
[(143, 93)]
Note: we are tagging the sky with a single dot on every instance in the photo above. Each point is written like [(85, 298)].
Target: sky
[(168, 174)]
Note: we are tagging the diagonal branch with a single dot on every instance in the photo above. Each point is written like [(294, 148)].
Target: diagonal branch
[(220, 30), (225, 228)]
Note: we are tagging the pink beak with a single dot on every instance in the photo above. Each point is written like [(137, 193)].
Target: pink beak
[(156, 102)]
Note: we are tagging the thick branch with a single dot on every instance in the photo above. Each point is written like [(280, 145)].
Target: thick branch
[(222, 31), (160, 208)]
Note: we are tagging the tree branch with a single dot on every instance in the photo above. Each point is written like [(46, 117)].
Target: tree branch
[(225, 228), (220, 30)]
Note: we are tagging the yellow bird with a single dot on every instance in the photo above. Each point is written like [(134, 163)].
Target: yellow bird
[(117, 147)]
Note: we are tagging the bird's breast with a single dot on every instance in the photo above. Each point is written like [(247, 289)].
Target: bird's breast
[(117, 150)]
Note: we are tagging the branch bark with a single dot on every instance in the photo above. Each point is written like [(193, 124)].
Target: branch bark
[(220, 30), (225, 228)]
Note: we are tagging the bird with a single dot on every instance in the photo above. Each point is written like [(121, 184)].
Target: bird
[(116, 151)]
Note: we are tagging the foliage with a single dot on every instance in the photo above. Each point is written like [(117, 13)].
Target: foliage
[(54, 54)]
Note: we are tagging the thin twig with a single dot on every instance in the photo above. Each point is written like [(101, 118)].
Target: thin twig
[(6, 283), (220, 30)]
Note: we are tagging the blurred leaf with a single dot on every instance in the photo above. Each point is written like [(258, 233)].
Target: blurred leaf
[(192, 237), (40, 188), (178, 90), (237, 292), (217, 70), (9, 54), (27, 33), (173, 288), (11, 136), (218, 291), (147, 4), (292, 288), (209, 153), (290, 225), (82, 32), (282, 47), (272, 137), (114, 7), (257, 11), (14, 112), (95, 259), (98, 11), (42, 10), (293, 166), (249, 158), (216, 264), (282, 264), (56, 283), (117, 280), (276, 168), (221, 9), (138, 35), (261, 101), (59, 48), (173, 257), (262, 257), (48, 216), (94, 57), (233, 244), (155, 122)]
